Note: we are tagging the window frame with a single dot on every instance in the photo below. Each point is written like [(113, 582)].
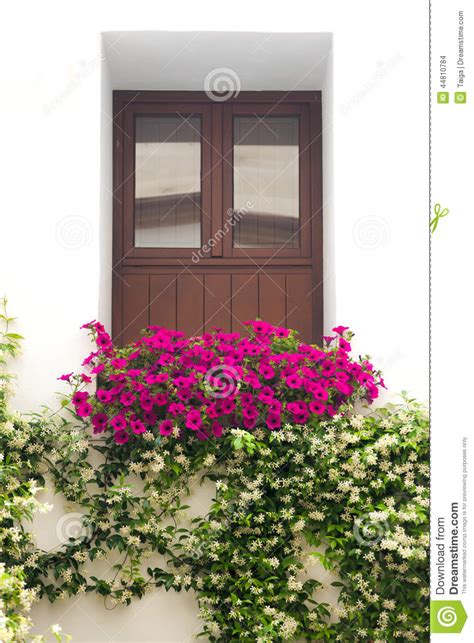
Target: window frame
[(216, 171), (304, 175), (184, 109)]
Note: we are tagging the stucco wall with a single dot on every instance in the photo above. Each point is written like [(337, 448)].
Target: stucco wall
[(56, 210)]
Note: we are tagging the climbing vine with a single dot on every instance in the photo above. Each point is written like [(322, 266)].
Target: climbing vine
[(347, 493)]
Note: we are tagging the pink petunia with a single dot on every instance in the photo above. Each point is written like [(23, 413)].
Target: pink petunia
[(105, 397), (193, 420), (266, 371), (273, 421), (316, 407), (217, 429), (84, 410), (119, 423), (340, 329), (137, 427), (118, 362), (327, 368), (99, 422), (294, 381), (176, 409), (121, 437), (166, 427), (79, 397), (127, 398), (103, 341), (344, 345), (160, 399)]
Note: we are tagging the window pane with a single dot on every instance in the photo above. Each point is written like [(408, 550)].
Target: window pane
[(266, 182), (167, 182)]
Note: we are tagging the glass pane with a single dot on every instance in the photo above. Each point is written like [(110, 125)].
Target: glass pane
[(167, 182), (266, 182)]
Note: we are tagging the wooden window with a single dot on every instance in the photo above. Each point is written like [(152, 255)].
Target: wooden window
[(217, 211)]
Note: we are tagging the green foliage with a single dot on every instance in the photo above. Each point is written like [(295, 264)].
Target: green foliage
[(18, 488), (349, 495)]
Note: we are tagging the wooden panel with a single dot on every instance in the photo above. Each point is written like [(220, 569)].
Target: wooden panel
[(190, 304), (217, 302), (153, 292), (299, 304), (244, 300), (163, 300), (272, 298), (135, 306)]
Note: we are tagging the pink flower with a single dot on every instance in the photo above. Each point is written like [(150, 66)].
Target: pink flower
[(250, 412), (166, 427), (145, 401), (345, 389), (193, 420), (160, 399), (273, 421), (118, 362), (103, 396), (211, 411), (227, 405), (85, 378), (217, 429), (176, 409), (294, 381), (166, 371), (340, 329), (319, 393), (150, 418), (84, 410), (121, 437), (103, 341), (137, 427), (317, 407), (99, 422), (344, 345), (119, 423), (327, 368), (66, 377), (79, 397), (249, 423), (266, 371), (299, 410), (266, 395), (127, 398)]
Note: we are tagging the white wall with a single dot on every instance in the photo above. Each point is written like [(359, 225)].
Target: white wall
[(56, 201)]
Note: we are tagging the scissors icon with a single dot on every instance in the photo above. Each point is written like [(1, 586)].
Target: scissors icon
[(439, 214)]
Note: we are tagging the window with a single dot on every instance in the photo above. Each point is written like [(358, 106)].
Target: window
[(207, 192)]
